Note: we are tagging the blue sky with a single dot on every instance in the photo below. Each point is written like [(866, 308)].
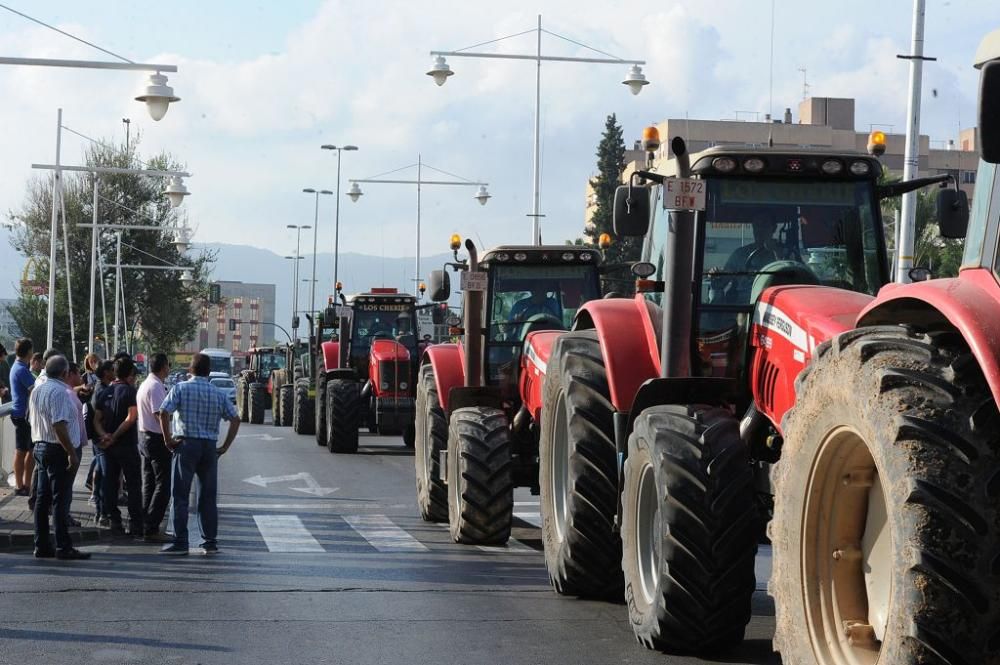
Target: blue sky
[(265, 83)]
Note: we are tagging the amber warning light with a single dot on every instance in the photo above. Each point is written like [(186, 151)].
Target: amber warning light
[(876, 143)]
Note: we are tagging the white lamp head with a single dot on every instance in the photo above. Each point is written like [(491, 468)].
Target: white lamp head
[(355, 192), (635, 79), (440, 71), (176, 191), (482, 195), (187, 278), (182, 239), (157, 96)]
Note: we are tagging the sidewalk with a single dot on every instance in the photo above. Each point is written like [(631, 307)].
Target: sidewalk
[(17, 523)]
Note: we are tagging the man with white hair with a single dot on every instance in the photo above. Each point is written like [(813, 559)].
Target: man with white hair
[(53, 414)]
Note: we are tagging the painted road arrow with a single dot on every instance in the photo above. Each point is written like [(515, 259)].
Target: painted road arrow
[(312, 487), (265, 437)]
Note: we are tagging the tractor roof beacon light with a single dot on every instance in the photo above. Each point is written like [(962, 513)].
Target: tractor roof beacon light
[(876, 143), (355, 192), (157, 96), (339, 286), (482, 195), (176, 191), (604, 241), (635, 79), (440, 71), (650, 139), (455, 242)]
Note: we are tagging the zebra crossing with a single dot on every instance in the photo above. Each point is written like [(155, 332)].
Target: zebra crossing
[(276, 529)]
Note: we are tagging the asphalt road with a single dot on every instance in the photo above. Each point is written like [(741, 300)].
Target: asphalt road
[(334, 566)]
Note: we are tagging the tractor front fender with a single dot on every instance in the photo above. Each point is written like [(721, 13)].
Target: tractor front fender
[(534, 364), (331, 355), (448, 361), (629, 344), (969, 303)]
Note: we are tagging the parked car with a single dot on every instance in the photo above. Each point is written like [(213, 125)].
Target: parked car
[(226, 384)]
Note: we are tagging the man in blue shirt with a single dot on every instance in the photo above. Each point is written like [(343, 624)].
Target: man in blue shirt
[(21, 383), (539, 302), (195, 408)]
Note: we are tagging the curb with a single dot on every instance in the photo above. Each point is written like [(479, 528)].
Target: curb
[(20, 539)]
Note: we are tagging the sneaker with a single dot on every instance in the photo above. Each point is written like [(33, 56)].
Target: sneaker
[(44, 553), (175, 550), (208, 549), (156, 537), (21, 491), (72, 555)]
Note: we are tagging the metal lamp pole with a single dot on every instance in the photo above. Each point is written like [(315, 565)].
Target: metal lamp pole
[(635, 80), (295, 279), (482, 195), (336, 223), (312, 289)]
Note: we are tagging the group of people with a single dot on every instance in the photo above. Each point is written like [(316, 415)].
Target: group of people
[(156, 441)]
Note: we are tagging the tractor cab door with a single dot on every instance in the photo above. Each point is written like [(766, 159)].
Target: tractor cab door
[(525, 298)]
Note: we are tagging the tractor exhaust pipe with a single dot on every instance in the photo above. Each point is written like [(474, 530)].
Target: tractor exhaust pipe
[(473, 326), (675, 359)]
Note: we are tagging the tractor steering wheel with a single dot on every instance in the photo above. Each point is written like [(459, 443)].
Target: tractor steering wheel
[(755, 252)]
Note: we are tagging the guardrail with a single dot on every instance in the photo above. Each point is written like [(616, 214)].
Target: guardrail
[(6, 443)]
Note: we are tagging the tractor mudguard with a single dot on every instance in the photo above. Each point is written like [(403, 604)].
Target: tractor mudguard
[(629, 344), (711, 390), (788, 323), (448, 361), (463, 396), (346, 374), (331, 355), (534, 361), (970, 303)]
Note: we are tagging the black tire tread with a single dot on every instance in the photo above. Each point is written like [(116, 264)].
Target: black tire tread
[(343, 416), (479, 451), (302, 416), (431, 429), (286, 404), (257, 398)]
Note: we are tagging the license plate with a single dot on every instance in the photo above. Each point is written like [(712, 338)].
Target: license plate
[(473, 281), (684, 194)]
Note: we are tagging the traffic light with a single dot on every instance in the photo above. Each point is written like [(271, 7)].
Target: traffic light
[(215, 295), (232, 324)]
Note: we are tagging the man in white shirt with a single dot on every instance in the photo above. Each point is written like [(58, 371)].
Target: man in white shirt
[(54, 427), (155, 456)]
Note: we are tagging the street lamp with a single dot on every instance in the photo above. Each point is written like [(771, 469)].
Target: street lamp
[(336, 223), (312, 289), (176, 191), (482, 194), (635, 80), (295, 273), (157, 96)]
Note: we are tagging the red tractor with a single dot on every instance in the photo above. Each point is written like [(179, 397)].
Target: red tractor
[(368, 372), (478, 402), (770, 364)]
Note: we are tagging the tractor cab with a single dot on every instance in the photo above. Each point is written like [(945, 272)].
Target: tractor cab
[(531, 289), (379, 314), (770, 217)]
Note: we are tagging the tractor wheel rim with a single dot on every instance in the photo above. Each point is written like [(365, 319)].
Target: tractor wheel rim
[(846, 553), (647, 535), (559, 469)]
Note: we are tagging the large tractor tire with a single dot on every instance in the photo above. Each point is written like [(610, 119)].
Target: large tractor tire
[(578, 473), (319, 411), (431, 438), (688, 529), (886, 525), (276, 406), (302, 411), (480, 486), (409, 435), (286, 404), (343, 417), (257, 398), (243, 399)]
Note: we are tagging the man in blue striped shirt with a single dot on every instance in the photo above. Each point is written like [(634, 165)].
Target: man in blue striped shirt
[(189, 417)]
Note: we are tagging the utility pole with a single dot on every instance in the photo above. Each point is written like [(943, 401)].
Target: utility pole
[(911, 159)]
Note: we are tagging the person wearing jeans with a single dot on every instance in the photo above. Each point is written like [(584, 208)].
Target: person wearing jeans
[(196, 407), (115, 422), (156, 458), (54, 417)]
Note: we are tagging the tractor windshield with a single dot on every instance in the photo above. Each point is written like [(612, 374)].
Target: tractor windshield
[(270, 362), (530, 293), (382, 321)]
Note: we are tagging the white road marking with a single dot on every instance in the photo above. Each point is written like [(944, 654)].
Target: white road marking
[(762, 566), (535, 519), (312, 487), (286, 533), (513, 545), (94, 549), (383, 535), (285, 506), (525, 503)]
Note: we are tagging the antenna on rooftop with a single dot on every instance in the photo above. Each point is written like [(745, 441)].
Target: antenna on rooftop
[(805, 84)]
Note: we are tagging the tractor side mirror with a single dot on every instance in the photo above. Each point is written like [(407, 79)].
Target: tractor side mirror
[(952, 212), (989, 112), (295, 322), (440, 285), (438, 315), (631, 214)]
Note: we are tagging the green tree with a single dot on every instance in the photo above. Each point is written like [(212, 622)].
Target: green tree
[(30, 313), (610, 166), (158, 305), (942, 255)]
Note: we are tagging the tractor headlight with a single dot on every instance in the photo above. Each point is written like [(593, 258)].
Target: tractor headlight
[(403, 385), (385, 385)]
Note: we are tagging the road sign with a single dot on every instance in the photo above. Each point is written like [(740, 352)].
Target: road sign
[(473, 280), (684, 194)]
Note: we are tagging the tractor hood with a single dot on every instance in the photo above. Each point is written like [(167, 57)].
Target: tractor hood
[(385, 350)]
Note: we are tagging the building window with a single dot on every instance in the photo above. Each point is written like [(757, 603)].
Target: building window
[(968, 177)]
